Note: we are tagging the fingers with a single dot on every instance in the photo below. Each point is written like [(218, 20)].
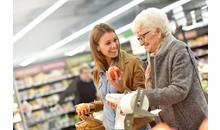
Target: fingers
[(109, 78), (88, 108), (116, 76), (85, 111), (111, 105), (121, 76)]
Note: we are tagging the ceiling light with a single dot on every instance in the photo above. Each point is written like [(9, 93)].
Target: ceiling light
[(28, 61), (75, 51), (165, 9), (204, 7), (38, 20), (89, 27), (195, 25), (174, 5), (124, 28)]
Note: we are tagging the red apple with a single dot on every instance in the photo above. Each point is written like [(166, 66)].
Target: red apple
[(113, 69), (204, 124)]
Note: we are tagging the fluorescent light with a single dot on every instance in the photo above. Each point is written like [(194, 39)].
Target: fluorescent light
[(166, 9), (124, 28), (28, 61), (174, 5), (204, 7), (89, 27), (75, 51), (38, 20), (195, 25)]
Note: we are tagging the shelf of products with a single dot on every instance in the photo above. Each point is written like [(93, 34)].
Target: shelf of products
[(60, 123), (43, 114), (199, 46), (42, 91)]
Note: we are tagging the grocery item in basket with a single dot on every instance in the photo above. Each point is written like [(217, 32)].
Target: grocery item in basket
[(80, 107), (112, 71)]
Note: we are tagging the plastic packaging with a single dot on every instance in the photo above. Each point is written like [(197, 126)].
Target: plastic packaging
[(28, 108)]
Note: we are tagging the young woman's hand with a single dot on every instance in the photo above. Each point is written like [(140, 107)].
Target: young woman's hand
[(118, 82), (87, 109), (111, 105)]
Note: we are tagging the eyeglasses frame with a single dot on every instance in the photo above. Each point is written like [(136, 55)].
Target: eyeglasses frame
[(142, 36)]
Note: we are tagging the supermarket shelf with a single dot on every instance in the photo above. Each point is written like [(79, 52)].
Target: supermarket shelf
[(47, 82), (66, 125), (199, 46), (51, 104), (43, 95), (48, 116), (202, 54)]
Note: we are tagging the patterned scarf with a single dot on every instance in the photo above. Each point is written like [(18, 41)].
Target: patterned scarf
[(148, 79)]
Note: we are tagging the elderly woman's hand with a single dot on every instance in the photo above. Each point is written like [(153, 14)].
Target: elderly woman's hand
[(118, 82)]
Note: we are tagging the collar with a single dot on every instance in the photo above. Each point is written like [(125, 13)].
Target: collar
[(166, 44), (84, 80), (102, 71)]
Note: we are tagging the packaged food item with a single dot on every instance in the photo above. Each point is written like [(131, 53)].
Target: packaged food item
[(44, 101), (20, 84), (40, 78), (65, 83), (28, 81), (28, 108)]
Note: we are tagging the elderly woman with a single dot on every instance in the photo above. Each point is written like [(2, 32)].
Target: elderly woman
[(171, 75)]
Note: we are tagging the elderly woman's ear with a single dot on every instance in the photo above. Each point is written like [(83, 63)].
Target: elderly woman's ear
[(159, 32)]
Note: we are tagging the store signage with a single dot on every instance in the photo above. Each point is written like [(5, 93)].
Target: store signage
[(27, 71), (127, 33), (188, 35), (54, 65), (78, 59), (136, 47)]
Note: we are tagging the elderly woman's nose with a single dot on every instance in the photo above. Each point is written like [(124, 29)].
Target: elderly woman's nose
[(141, 43)]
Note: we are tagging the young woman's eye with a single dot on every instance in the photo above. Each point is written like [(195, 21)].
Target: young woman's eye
[(107, 43), (115, 39)]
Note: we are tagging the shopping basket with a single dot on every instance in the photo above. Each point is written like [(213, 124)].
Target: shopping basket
[(99, 127)]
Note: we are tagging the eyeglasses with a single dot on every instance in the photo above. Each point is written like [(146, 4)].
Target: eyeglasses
[(142, 37)]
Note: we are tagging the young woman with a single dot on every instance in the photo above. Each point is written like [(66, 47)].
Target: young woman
[(106, 50)]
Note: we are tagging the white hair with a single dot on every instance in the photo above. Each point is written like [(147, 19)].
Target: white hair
[(150, 19)]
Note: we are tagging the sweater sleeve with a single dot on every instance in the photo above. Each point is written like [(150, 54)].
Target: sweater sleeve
[(181, 79), (70, 90)]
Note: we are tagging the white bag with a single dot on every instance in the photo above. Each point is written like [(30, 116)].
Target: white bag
[(98, 115)]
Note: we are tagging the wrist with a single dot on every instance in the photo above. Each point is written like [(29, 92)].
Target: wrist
[(122, 90), (91, 105)]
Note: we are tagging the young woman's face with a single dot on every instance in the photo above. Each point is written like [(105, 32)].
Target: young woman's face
[(108, 45)]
